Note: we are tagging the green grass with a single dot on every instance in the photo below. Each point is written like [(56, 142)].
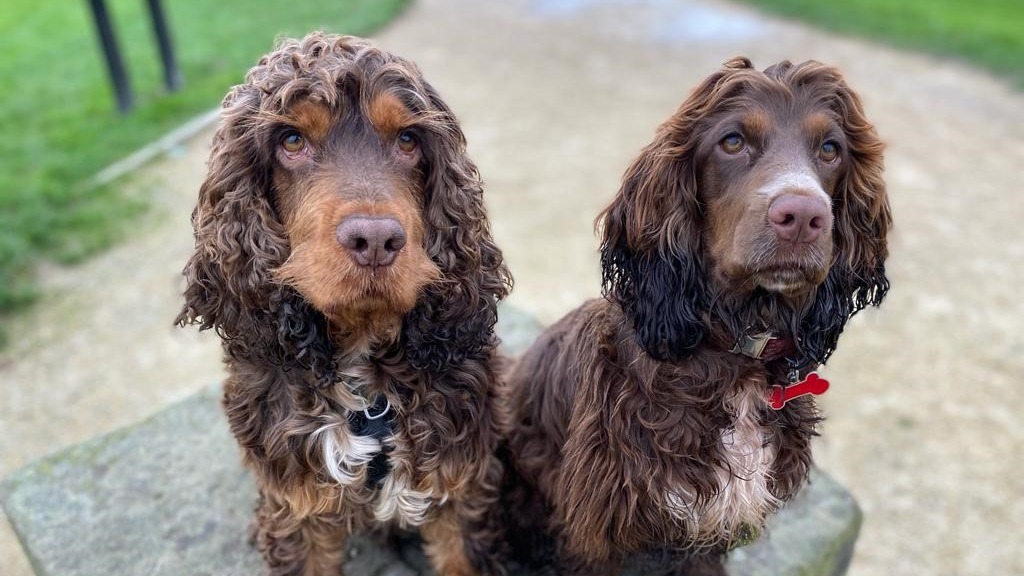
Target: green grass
[(987, 33), (60, 121)]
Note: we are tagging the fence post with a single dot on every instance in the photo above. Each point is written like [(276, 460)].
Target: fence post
[(115, 65), (172, 77)]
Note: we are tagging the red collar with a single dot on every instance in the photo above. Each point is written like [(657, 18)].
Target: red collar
[(767, 347)]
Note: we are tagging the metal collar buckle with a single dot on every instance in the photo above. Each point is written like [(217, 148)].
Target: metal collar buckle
[(752, 345)]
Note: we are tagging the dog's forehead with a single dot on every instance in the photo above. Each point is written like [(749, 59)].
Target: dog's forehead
[(385, 111), (809, 119), (760, 112)]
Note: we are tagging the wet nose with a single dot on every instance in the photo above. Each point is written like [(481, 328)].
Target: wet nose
[(798, 218), (371, 241)]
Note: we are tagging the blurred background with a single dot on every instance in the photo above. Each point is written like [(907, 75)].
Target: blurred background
[(555, 96)]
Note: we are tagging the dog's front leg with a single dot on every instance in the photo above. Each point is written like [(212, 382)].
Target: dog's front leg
[(295, 543), (458, 544)]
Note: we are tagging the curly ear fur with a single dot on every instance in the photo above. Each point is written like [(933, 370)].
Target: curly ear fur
[(454, 318), (661, 288), (862, 222), (652, 253), (239, 241)]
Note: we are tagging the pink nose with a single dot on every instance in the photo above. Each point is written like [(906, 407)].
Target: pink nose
[(371, 241), (798, 218)]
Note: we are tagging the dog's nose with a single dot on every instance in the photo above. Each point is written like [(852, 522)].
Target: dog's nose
[(798, 218), (372, 241)]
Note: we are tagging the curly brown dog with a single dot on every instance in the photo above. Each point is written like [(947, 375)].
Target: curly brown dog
[(742, 240), (343, 254)]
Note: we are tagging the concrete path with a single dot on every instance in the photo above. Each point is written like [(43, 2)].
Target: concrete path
[(556, 96)]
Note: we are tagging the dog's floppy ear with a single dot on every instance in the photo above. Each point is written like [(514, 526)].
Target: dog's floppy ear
[(652, 266), (862, 214), (862, 221), (652, 261), (238, 239), (454, 319), (238, 242)]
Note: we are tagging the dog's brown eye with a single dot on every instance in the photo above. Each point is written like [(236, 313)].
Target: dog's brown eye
[(829, 152), (733, 143), (293, 142), (407, 141)]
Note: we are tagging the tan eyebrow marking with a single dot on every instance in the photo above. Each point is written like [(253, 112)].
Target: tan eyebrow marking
[(756, 123), (388, 115), (817, 124), (312, 119)]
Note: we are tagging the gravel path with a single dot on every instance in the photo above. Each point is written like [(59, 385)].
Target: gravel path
[(556, 96)]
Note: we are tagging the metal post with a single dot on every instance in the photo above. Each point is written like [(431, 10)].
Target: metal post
[(113, 56), (172, 77)]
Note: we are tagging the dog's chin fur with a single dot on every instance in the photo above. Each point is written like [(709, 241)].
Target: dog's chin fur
[(372, 305), (793, 285), (793, 272)]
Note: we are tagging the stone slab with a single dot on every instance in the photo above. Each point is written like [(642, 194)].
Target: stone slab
[(169, 497)]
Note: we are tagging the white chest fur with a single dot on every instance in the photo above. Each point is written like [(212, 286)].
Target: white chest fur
[(743, 477), (345, 455), (400, 503)]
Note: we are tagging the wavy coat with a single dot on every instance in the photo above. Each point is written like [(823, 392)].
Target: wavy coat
[(636, 425)]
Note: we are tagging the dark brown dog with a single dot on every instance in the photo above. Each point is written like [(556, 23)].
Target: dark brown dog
[(743, 239), (344, 256)]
